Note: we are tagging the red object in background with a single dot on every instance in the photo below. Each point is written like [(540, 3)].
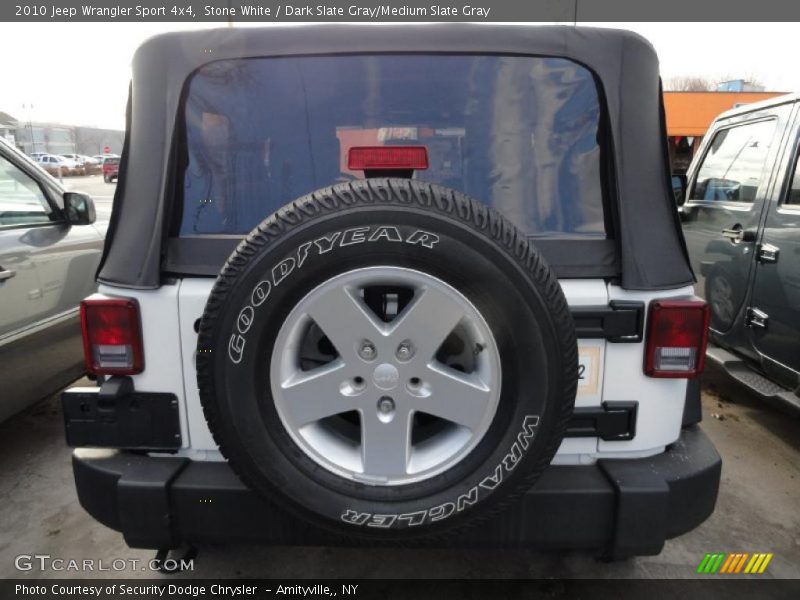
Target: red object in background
[(106, 149), (110, 167), (387, 158)]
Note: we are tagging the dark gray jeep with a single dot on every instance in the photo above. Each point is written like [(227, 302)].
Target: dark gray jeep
[(740, 218), (395, 284)]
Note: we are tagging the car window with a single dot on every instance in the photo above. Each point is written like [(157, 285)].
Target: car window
[(22, 201), (733, 167), (518, 133), (793, 197)]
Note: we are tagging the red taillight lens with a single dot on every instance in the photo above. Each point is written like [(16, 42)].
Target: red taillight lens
[(112, 335), (677, 332), (360, 158)]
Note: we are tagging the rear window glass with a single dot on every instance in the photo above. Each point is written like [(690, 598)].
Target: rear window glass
[(518, 133)]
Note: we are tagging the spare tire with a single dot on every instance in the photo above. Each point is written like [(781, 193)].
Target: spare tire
[(387, 358)]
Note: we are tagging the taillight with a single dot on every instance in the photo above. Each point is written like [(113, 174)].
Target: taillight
[(112, 335), (677, 332), (387, 158)]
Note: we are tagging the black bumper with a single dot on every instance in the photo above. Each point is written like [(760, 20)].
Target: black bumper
[(616, 507)]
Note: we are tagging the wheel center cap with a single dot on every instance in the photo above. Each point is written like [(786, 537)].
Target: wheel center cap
[(386, 376)]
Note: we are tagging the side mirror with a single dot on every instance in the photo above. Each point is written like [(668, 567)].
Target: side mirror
[(679, 188), (79, 208)]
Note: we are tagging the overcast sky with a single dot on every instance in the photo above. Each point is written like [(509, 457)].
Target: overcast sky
[(78, 73)]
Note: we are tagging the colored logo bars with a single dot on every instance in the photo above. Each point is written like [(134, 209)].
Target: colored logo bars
[(738, 562)]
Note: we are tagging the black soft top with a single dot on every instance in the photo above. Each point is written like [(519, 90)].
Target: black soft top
[(647, 252)]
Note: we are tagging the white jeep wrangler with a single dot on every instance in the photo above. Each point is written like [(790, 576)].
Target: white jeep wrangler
[(381, 285)]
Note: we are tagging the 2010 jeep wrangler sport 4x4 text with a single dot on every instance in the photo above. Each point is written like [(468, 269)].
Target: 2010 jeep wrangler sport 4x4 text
[(385, 284)]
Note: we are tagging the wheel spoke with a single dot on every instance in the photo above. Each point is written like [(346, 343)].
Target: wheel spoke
[(309, 396), (385, 447), (455, 396), (345, 320), (427, 320)]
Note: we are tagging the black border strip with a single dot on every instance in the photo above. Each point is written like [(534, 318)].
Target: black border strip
[(364, 11)]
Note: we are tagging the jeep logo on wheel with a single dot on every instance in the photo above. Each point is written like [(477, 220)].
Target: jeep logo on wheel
[(386, 376)]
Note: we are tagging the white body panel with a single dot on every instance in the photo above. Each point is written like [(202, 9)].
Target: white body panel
[(612, 371)]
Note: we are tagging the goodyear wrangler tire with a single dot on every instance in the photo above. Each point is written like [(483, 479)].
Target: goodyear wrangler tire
[(387, 358)]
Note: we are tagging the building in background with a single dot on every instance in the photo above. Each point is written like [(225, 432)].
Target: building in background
[(690, 114), (739, 85), (55, 138), (8, 125), (45, 137), (92, 140)]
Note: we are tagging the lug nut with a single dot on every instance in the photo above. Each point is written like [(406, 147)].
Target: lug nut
[(405, 351), (367, 351), (385, 405)]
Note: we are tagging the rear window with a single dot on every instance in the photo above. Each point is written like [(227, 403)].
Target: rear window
[(518, 133)]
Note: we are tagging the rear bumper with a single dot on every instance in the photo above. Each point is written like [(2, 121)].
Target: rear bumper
[(616, 507)]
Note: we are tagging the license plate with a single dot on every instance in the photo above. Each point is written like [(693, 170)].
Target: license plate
[(588, 370)]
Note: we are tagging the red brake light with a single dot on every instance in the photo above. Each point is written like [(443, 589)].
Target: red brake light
[(677, 333), (112, 335), (360, 158)]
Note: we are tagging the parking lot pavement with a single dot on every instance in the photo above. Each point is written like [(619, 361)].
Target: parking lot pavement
[(756, 512)]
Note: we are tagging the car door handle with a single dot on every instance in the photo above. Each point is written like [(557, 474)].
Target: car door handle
[(6, 274), (737, 234)]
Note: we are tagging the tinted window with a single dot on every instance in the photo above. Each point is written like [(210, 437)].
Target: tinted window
[(21, 199), (518, 133), (733, 167), (794, 191)]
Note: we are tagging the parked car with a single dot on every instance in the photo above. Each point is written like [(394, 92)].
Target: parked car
[(740, 219), (472, 338), (49, 251), (58, 166), (110, 169), (91, 165), (101, 157), (78, 160)]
